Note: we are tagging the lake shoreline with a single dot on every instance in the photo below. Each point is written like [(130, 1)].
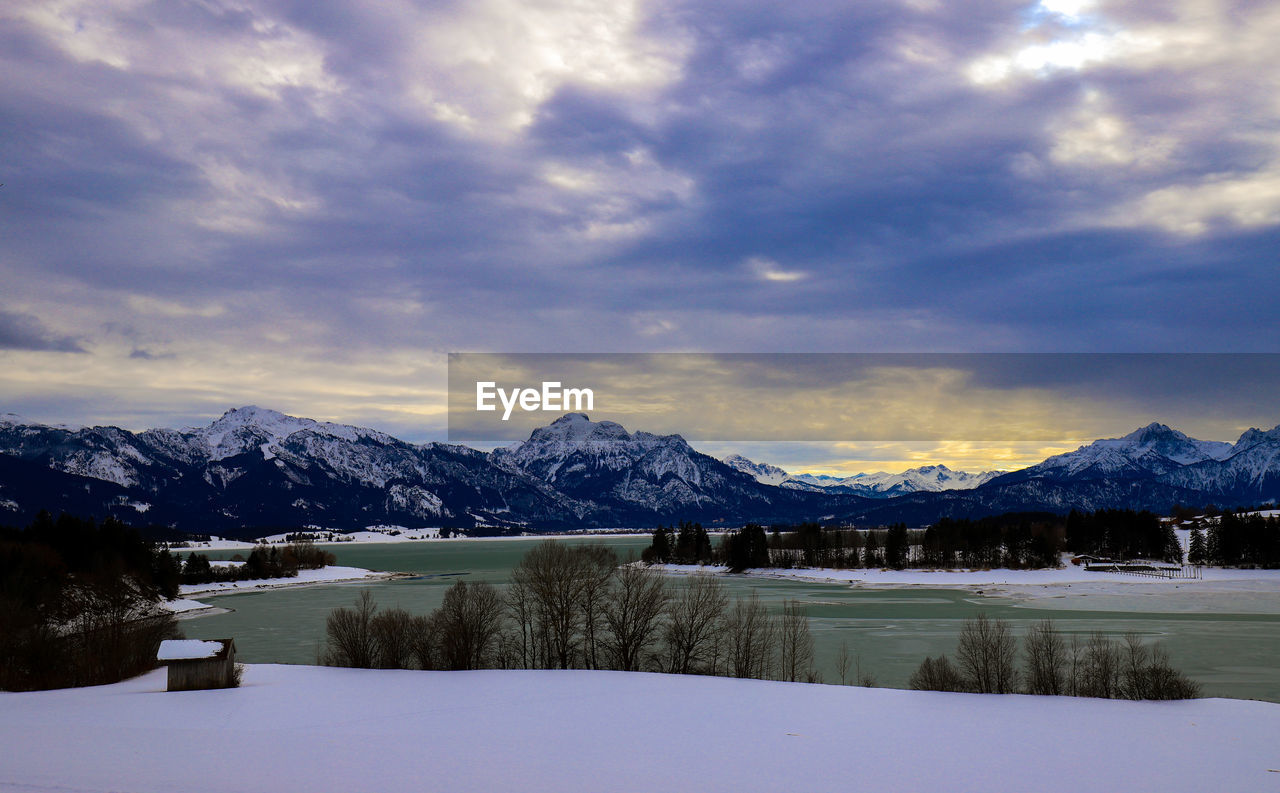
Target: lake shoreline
[(186, 606), (1029, 586)]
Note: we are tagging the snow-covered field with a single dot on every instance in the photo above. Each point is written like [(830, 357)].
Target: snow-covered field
[(316, 729)]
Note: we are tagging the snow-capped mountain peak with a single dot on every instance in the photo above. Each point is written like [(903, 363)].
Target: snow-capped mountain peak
[(1254, 436), (930, 478), (1155, 448), (241, 428), (15, 420), (607, 443), (601, 461), (763, 472), (254, 466), (244, 428)]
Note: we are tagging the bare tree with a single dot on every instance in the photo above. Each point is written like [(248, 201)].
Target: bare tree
[(936, 674), (1046, 659), (986, 655), (843, 661), (393, 637), (693, 626), (599, 565), (1165, 682), (632, 610), (425, 637), (1099, 668), (554, 576), (469, 621), (750, 633), (795, 643), (349, 634), (1146, 673), (520, 641), (1134, 660), (1075, 667)]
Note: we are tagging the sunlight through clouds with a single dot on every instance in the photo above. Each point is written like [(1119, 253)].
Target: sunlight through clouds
[(1091, 135), (769, 270), (1250, 201), (1075, 54), (489, 65)]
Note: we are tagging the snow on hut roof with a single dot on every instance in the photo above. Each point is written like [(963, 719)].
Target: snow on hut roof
[(187, 649)]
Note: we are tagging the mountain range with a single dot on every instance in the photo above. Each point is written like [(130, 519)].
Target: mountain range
[(933, 478), (254, 468)]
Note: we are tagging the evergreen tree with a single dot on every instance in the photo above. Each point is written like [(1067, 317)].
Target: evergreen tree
[(1172, 548), (1197, 553), (701, 544), (757, 545), (197, 569), (895, 546), (871, 551), (686, 550), (659, 551), (166, 573), (1213, 545)]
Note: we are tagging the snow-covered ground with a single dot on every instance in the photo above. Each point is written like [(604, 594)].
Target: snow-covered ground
[(390, 534), (370, 534), (323, 575), (185, 606), (185, 603), (317, 729)]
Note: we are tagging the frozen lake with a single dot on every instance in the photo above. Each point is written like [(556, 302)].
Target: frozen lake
[(1228, 642)]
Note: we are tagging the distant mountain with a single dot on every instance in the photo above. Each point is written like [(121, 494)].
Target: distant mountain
[(929, 478), (761, 472), (255, 468), (932, 478), (1249, 472), (1152, 450), (639, 476), (1154, 468)]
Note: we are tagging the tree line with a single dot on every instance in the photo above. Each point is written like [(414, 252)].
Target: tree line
[(1122, 534), (987, 663), (263, 562), (80, 603), (1237, 540), (1016, 540), (576, 607)]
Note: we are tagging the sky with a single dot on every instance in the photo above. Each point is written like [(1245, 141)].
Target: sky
[(306, 204)]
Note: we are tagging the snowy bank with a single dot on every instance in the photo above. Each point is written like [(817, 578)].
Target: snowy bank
[(388, 535), (1066, 583), (312, 728), (324, 575)]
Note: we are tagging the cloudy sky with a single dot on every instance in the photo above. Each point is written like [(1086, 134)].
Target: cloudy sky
[(306, 204)]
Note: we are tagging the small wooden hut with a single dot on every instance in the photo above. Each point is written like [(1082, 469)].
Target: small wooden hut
[(199, 663)]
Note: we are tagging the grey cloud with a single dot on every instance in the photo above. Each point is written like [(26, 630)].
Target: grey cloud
[(24, 332), (925, 212)]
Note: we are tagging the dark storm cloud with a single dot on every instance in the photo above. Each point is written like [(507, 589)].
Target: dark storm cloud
[(23, 332)]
